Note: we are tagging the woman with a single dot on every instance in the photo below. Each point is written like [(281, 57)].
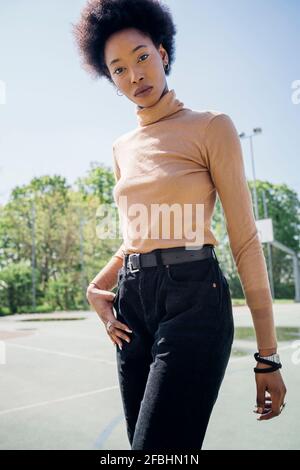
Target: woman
[(173, 305)]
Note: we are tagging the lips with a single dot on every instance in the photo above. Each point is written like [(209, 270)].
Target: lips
[(142, 89)]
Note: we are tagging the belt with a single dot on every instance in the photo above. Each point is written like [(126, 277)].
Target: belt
[(165, 256)]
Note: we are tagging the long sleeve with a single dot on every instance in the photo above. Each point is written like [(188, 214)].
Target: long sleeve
[(115, 166), (119, 253), (224, 159), (116, 170)]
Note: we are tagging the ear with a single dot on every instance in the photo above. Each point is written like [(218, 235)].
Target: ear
[(163, 53)]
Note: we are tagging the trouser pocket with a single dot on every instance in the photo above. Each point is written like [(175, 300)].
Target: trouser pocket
[(119, 282), (193, 282)]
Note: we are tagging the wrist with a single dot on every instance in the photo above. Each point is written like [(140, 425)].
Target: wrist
[(267, 352), (269, 363), (260, 365), (94, 285)]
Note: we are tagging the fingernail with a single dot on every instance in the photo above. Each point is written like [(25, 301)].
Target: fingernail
[(128, 340), (129, 331), (120, 347)]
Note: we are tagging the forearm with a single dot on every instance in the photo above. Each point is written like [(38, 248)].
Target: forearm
[(264, 325), (106, 279)]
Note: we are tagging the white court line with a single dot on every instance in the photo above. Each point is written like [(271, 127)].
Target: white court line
[(58, 400), (59, 353), (105, 361), (79, 395)]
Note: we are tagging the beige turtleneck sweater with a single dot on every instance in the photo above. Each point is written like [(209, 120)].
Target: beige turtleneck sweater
[(179, 155)]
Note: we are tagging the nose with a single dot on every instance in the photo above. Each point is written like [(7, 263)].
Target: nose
[(136, 76)]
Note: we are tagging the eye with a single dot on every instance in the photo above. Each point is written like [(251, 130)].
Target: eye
[(120, 68), (144, 55)]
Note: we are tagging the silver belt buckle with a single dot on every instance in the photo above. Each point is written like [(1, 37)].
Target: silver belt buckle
[(132, 267)]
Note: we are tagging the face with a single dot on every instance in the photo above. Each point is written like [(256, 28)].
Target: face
[(134, 61)]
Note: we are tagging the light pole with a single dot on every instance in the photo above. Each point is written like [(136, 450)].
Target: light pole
[(256, 130), (269, 247), (82, 221)]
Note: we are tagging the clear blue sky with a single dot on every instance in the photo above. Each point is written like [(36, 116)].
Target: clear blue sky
[(236, 56)]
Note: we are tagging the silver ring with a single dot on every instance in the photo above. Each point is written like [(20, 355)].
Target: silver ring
[(108, 325)]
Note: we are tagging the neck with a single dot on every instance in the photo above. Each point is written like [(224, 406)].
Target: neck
[(166, 106)]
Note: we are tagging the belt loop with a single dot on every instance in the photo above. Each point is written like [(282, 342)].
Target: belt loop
[(215, 255), (125, 261), (158, 257)]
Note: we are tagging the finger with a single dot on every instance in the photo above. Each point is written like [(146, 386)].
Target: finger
[(113, 342), (275, 410), (262, 410), (116, 324), (260, 398), (268, 401), (122, 335), (276, 402), (268, 414), (261, 407), (117, 341), (113, 328), (121, 326)]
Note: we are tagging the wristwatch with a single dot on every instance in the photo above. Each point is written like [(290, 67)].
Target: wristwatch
[(273, 357)]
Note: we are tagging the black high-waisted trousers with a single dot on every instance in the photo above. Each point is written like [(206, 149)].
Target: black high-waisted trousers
[(171, 371)]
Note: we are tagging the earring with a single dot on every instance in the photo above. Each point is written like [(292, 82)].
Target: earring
[(166, 66), (119, 93)]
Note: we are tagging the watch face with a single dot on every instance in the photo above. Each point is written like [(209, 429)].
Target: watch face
[(274, 358)]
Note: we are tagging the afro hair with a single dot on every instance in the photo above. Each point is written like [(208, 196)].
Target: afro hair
[(101, 18)]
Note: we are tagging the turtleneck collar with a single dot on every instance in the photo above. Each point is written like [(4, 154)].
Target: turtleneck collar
[(168, 104)]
